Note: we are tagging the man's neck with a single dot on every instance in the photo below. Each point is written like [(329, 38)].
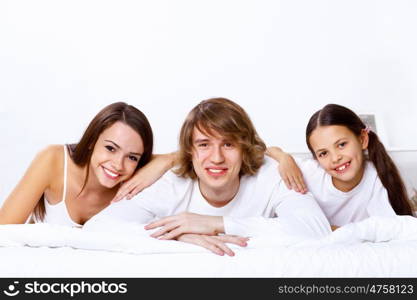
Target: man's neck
[(219, 197)]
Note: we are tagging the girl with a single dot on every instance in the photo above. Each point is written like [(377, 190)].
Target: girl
[(69, 184), (352, 176)]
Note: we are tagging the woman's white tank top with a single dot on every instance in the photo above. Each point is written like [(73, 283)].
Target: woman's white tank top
[(58, 213)]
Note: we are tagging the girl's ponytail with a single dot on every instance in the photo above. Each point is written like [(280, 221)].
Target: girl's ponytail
[(389, 176)]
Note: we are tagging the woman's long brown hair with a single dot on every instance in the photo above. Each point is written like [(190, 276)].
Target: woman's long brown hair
[(81, 152)]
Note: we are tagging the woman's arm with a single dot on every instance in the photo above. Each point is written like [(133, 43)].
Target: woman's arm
[(18, 206), (146, 176), (295, 215), (288, 169)]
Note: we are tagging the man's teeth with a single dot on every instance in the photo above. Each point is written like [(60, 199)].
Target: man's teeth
[(215, 170), (110, 173)]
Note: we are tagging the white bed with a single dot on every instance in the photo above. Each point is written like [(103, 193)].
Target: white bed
[(376, 247)]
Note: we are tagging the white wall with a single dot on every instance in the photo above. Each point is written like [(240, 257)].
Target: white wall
[(62, 61)]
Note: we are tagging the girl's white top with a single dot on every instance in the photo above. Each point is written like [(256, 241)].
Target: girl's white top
[(368, 198)]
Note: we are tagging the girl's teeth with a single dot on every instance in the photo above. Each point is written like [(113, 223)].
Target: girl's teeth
[(342, 167)]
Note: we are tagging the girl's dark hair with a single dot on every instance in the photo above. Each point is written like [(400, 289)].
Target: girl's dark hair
[(333, 114), (81, 152)]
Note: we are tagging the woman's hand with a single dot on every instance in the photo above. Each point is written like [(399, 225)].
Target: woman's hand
[(288, 169), (216, 244), (176, 225), (146, 176)]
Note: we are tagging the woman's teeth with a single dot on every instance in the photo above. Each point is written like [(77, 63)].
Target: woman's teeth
[(110, 173)]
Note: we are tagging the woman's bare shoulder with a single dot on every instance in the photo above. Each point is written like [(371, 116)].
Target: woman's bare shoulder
[(51, 157)]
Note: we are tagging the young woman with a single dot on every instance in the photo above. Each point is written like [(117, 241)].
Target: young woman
[(68, 184), (352, 176)]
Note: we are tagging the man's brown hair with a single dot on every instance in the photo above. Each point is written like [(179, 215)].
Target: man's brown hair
[(222, 116)]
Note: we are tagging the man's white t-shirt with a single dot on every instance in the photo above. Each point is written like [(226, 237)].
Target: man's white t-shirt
[(262, 205), (368, 198)]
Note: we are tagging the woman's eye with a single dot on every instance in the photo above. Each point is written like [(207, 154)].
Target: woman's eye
[(133, 158), (110, 148), (228, 145), (202, 145), (341, 145)]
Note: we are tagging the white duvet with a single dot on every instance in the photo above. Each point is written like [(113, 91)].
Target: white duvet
[(376, 247)]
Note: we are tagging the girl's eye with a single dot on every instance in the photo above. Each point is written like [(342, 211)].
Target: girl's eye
[(322, 154), (341, 145), (228, 145), (110, 148), (202, 145)]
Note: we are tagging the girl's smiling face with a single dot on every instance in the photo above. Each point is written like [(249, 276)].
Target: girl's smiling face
[(340, 153)]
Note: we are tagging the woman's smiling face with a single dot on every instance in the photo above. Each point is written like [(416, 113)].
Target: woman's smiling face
[(340, 153), (116, 154)]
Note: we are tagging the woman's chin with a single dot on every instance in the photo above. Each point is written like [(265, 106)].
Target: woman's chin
[(109, 184)]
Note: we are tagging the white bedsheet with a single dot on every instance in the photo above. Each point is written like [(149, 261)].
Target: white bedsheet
[(376, 247)]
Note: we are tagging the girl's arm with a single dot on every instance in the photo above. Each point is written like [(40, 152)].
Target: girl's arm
[(18, 206), (147, 175), (288, 169)]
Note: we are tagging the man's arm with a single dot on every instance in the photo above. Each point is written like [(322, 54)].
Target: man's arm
[(296, 214)]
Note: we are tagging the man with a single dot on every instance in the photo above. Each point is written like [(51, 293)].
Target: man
[(223, 185)]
